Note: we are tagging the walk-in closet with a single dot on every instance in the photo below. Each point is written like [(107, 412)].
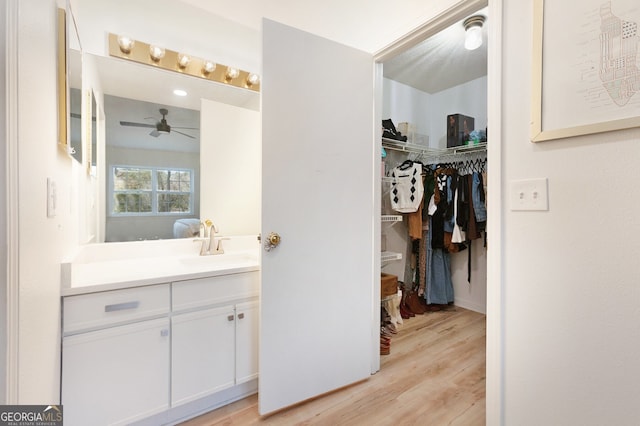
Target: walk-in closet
[(434, 178)]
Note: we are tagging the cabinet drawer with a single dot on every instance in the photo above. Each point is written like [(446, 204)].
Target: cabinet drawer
[(213, 290), (95, 310)]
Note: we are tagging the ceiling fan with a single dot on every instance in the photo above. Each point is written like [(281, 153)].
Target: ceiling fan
[(161, 127)]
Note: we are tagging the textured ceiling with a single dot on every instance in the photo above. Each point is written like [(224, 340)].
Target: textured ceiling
[(441, 61)]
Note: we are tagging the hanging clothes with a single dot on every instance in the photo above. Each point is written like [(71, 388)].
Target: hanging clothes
[(439, 287), (407, 187)]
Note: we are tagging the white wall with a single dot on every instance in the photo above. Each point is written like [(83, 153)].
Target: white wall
[(231, 159), (43, 241), (571, 280), (403, 103)]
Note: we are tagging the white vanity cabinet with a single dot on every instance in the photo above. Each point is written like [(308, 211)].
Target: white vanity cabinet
[(115, 355), (214, 339), (159, 353), (247, 329)]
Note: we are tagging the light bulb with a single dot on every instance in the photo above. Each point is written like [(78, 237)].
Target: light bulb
[(232, 73), (126, 43), (156, 52), (473, 38), (253, 79), (208, 67), (183, 60), (473, 28)]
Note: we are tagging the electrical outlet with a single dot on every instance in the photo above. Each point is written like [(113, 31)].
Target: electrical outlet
[(529, 195), (52, 197)]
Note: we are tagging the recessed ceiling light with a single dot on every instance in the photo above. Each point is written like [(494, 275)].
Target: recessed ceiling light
[(180, 92)]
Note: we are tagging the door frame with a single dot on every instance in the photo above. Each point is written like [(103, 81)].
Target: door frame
[(495, 307), (10, 217)]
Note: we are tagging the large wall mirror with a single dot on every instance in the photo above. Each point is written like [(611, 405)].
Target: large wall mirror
[(152, 142)]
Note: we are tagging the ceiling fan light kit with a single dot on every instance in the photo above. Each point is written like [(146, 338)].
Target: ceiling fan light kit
[(134, 50)]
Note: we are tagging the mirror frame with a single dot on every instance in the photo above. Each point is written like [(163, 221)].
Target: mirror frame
[(65, 18), (91, 132), (63, 90)]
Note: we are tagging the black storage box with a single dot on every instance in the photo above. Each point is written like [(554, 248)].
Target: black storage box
[(458, 128)]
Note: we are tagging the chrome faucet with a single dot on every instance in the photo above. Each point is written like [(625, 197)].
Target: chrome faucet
[(207, 237)]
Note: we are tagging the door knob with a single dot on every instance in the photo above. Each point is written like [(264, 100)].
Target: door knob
[(273, 240)]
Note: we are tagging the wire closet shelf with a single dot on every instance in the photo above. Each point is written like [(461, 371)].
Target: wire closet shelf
[(428, 155)]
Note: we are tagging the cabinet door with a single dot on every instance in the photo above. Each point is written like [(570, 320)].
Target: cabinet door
[(203, 346), (247, 316), (116, 375)]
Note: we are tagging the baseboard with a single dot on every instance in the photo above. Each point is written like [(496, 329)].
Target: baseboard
[(471, 305), (201, 406)]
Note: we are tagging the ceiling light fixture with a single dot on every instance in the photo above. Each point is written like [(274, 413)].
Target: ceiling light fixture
[(124, 47), (473, 28), (180, 92)]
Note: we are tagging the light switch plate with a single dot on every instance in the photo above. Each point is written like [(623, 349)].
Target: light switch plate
[(529, 195)]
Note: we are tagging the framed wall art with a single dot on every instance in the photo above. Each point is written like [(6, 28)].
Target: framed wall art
[(586, 68)]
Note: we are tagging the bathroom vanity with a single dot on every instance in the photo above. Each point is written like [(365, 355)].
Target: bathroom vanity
[(152, 332)]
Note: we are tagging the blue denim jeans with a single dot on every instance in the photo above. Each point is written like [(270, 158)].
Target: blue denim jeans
[(439, 287), (478, 204)]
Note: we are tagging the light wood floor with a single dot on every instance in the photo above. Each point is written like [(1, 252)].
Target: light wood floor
[(435, 375)]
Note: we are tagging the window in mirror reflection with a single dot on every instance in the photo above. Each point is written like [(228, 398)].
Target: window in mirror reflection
[(150, 191)]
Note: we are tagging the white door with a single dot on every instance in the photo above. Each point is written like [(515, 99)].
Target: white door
[(318, 156)]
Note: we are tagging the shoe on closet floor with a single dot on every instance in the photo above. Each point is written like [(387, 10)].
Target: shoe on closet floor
[(413, 303)]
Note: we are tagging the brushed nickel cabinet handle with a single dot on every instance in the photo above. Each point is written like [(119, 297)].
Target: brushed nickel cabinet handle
[(121, 306), (241, 315), (230, 317)]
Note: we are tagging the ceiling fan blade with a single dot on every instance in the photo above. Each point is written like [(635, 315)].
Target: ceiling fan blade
[(184, 134), (129, 123), (185, 128)]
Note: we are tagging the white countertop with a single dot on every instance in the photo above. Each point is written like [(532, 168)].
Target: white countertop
[(113, 266)]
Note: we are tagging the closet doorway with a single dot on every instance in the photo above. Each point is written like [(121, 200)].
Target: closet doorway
[(425, 78)]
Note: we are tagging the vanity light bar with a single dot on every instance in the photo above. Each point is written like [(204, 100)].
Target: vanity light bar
[(147, 54)]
